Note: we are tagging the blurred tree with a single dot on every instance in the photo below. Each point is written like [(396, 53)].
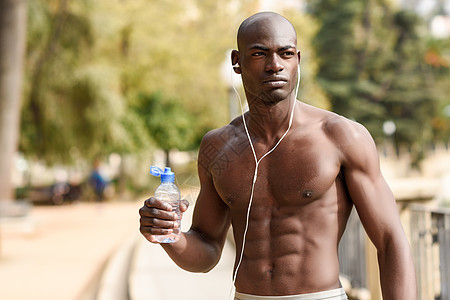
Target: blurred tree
[(437, 56), (74, 107), (138, 48), (172, 49), (88, 62), (91, 65), (310, 91), (372, 67), (167, 123), (12, 52), (169, 52), (57, 39)]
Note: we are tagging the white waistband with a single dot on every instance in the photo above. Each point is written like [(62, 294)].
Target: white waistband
[(336, 294)]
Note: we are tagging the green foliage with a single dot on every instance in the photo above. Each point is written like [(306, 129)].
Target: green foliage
[(172, 48), (57, 39), (437, 57), (166, 122), (309, 91), (108, 76), (373, 68), (88, 61)]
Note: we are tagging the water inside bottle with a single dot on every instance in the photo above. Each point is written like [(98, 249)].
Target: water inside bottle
[(171, 238)]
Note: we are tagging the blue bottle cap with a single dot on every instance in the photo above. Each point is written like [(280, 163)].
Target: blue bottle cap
[(166, 176)]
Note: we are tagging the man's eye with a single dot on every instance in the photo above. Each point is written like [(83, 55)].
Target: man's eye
[(288, 53), (258, 54)]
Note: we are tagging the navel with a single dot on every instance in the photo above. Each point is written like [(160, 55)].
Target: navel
[(270, 270)]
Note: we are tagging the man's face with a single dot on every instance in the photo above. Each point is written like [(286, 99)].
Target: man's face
[(269, 59)]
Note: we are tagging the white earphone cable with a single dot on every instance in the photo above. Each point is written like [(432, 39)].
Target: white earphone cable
[(257, 161)]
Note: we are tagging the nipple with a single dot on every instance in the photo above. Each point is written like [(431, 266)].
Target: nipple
[(307, 194)]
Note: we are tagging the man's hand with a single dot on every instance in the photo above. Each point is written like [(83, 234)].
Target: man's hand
[(158, 218)]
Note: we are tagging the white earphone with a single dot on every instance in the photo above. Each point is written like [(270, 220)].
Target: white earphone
[(257, 161)]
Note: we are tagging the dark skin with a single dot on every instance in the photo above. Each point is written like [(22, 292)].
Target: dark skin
[(304, 191)]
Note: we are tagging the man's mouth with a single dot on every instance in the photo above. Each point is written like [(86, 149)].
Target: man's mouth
[(275, 82)]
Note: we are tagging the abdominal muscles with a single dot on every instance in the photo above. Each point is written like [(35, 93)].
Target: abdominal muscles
[(287, 255)]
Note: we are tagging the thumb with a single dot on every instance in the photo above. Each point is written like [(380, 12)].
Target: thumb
[(184, 204)]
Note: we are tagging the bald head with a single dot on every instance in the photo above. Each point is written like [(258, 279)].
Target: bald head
[(266, 22)]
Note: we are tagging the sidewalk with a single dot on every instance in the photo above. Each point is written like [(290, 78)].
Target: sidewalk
[(58, 252), (67, 252), (154, 276)]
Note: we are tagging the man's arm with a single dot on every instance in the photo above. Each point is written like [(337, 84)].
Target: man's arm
[(377, 210), (199, 249)]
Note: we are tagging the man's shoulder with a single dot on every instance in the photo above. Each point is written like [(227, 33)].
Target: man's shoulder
[(332, 124), (219, 145), (353, 140), (224, 134), (217, 133), (341, 127), (344, 133)]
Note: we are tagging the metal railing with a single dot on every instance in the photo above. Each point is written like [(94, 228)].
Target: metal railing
[(430, 243), (429, 233), (352, 251)]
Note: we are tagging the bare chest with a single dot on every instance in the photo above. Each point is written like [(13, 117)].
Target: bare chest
[(297, 172)]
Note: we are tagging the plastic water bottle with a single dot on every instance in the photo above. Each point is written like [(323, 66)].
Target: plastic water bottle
[(168, 192)]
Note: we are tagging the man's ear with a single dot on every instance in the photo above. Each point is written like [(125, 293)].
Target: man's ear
[(299, 56), (235, 61)]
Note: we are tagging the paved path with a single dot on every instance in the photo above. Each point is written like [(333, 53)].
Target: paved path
[(153, 273), (58, 251), (156, 275), (66, 252)]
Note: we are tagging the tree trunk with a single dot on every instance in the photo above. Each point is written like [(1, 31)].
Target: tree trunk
[(167, 155), (122, 180), (12, 52)]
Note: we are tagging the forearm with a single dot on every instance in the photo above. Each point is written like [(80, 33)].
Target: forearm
[(397, 275), (194, 253)]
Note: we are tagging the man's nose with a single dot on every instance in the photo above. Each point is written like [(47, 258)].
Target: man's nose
[(274, 64)]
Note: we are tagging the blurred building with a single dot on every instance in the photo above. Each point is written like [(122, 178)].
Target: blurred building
[(435, 12), (427, 7), (278, 6)]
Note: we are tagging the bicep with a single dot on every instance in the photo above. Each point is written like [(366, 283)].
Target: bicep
[(211, 215), (370, 192), (375, 205)]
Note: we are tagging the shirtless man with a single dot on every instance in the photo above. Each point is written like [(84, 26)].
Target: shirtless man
[(303, 191)]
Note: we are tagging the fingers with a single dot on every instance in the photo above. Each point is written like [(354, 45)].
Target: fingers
[(157, 218), (155, 203), (158, 223), (151, 232), (152, 227), (155, 208), (184, 204)]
